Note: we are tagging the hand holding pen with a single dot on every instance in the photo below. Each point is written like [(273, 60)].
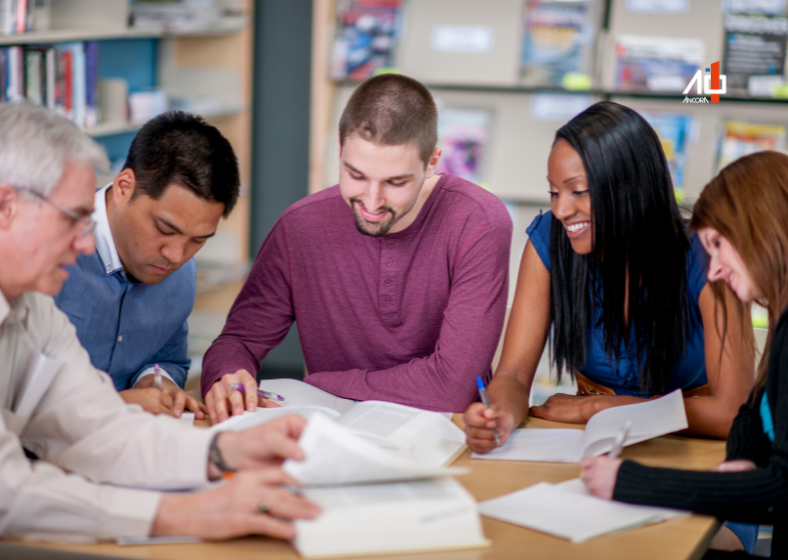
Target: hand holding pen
[(260, 393), (483, 394)]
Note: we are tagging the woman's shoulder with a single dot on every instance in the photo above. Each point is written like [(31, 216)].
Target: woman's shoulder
[(539, 235)]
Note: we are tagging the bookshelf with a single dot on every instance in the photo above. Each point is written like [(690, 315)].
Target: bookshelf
[(213, 65)]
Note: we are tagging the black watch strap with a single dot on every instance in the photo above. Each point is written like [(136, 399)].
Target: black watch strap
[(216, 458)]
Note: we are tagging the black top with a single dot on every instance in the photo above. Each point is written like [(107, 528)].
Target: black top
[(755, 496)]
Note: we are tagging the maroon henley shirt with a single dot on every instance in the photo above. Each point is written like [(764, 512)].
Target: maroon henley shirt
[(412, 317)]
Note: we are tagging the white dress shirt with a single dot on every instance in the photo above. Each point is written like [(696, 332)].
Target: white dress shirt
[(90, 442)]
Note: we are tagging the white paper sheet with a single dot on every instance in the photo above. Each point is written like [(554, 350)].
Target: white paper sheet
[(555, 446), (298, 393), (568, 511)]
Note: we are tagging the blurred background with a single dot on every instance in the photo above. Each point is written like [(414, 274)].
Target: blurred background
[(274, 75)]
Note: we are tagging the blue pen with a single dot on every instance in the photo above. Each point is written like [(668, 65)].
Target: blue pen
[(486, 401), (265, 394)]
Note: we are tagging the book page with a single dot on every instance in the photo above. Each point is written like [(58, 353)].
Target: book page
[(334, 455), (649, 419), (566, 510), (537, 444), (297, 393), (263, 415), (428, 436), (339, 497)]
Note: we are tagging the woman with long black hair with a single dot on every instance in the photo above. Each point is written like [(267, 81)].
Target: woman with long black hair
[(613, 276)]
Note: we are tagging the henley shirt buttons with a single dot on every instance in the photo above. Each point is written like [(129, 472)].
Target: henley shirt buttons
[(388, 282), (388, 262), (388, 300), (390, 244)]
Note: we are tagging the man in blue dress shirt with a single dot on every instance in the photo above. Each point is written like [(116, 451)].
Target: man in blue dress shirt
[(129, 300)]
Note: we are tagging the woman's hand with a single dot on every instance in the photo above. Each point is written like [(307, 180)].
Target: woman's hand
[(737, 465), (480, 422), (599, 475)]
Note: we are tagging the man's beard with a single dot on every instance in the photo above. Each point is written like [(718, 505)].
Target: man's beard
[(373, 229)]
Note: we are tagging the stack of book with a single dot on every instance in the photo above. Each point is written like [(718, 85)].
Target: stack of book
[(61, 77)]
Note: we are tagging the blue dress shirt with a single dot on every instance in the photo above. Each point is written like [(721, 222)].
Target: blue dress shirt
[(127, 326)]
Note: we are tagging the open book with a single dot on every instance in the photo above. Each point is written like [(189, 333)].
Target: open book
[(567, 510), (375, 499), (649, 419), (428, 437)]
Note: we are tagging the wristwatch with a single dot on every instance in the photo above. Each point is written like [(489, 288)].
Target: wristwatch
[(216, 458)]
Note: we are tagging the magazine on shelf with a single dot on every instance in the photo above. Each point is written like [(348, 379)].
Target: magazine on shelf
[(463, 135), (674, 131), (558, 39), (754, 49), (656, 64), (768, 7), (366, 36), (739, 139)]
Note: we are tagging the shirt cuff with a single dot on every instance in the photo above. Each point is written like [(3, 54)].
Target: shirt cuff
[(151, 371)]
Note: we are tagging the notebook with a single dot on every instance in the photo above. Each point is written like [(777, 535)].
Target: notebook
[(567, 510), (649, 419), (429, 437)]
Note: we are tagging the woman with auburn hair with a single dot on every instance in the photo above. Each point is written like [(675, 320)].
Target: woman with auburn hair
[(612, 275), (741, 220)]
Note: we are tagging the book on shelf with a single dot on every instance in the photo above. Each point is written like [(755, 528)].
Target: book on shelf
[(648, 420), (754, 60), (674, 131), (558, 41), (62, 77), (21, 16), (462, 136), (366, 36), (739, 139), (656, 64)]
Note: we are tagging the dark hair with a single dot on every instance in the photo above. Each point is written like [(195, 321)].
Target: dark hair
[(182, 149), (391, 110), (639, 239)]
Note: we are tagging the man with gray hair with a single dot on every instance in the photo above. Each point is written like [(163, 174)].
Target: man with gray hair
[(56, 404)]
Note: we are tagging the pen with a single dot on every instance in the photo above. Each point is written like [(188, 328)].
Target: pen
[(156, 376), (621, 439), (265, 394), (486, 401)]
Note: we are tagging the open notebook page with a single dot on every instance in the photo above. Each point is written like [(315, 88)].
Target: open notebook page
[(534, 444), (297, 393), (428, 436), (568, 511), (263, 415), (335, 455)]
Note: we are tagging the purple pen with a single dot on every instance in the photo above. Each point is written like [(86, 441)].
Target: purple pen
[(265, 394)]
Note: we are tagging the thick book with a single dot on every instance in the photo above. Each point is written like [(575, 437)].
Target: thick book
[(648, 420), (429, 437), (567, 510)]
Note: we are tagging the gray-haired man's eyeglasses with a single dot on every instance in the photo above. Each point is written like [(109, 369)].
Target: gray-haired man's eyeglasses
[(87, 221)]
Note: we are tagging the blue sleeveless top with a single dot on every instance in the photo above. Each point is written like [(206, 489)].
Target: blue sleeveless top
[(622, 375)]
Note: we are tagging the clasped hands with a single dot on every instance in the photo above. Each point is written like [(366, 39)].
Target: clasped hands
[(235, 508)]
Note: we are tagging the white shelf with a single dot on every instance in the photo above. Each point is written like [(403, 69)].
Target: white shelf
[(226, 26), (108, 129)]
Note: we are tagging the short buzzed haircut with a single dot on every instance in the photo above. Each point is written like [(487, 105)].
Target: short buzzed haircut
[(392, 110), (178, 148)]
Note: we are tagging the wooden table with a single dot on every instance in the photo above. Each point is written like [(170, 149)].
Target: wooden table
[(685, 538)]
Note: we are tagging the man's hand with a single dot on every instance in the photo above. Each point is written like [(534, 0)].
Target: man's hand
[(737, 465), (234, 509), (479, 423), (223, 401), (578, 409), (179, 399), (151, 400), (599, 475), (262, 446)]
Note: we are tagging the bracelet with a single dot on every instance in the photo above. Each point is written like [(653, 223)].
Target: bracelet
[(216, 458)]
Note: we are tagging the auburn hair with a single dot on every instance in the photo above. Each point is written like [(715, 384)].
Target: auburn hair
[(747, 203)]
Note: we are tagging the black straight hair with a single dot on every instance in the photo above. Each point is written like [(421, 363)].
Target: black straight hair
[(639, 239), (178, 148)]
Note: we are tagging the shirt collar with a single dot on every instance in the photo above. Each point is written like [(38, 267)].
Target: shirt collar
[(5, 308), (104, 242), (12, 311)]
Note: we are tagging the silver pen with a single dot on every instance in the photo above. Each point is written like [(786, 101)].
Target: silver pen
[(621, 439)]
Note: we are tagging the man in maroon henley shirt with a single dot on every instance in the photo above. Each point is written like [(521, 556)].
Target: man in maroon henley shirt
[(397, 277)]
